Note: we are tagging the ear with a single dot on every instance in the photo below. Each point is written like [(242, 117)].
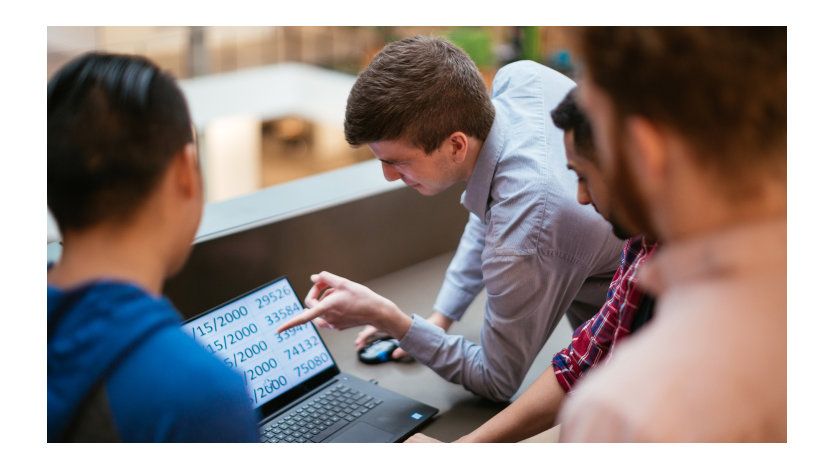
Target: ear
[(186, 170), (458, 143), (649, 151)]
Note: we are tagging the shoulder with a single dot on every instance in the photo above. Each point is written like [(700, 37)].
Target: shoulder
[(697, 390), (119, 303), (184, 393), (525, 74), (174, 362), (612, 403), (523, 69)]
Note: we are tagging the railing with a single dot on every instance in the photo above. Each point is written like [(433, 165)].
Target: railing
[(348, 221)]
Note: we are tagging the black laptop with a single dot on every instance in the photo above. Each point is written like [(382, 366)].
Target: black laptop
[(292, 378)]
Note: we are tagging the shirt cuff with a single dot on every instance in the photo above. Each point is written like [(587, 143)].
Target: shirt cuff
[(452, 301), (422, 340), (562, 371)]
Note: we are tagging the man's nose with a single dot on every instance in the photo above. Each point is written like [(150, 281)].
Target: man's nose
[(390, 173), (582, 195)]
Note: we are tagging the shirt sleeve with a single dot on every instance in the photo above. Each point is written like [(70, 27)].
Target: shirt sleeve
[(464, 278), (592, 341), (523, 292), (571, 362)]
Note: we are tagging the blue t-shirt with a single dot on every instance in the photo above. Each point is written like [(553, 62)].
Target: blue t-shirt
[(160, 385)]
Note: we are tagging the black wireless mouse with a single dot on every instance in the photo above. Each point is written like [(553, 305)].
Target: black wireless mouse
[(378, 351)]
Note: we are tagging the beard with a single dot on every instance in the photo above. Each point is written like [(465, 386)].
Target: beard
[(628, 206), (617, 228)]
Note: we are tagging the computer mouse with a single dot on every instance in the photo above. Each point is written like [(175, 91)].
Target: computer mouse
[(378, 351)]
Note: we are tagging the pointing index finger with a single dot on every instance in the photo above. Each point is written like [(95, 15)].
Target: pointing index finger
[(299, 320)]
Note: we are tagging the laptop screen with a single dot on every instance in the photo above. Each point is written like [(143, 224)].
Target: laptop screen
[(242, 333)]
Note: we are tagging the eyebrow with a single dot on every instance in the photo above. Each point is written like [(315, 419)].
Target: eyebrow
[(390, 162)]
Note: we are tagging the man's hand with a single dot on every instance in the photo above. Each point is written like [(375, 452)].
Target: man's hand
[(336, 302), (420, 438), (369, 331), (367, 334)]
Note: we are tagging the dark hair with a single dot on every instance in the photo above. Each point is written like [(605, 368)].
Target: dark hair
[(723, 89), (421, 89), (568, 117), (114, 123)]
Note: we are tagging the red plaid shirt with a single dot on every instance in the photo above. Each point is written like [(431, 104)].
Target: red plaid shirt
[(593, 340)]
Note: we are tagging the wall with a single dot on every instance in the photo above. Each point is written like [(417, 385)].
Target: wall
[(361, 239)]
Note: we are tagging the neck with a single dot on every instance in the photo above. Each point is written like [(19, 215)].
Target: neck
[(114, 253), (711, 211)]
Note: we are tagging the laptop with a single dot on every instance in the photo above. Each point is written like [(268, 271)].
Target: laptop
[(293, 380)]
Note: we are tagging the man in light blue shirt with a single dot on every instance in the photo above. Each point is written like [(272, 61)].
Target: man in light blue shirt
[(423, 109)]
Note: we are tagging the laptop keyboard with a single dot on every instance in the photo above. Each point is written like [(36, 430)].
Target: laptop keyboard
[(319, 417)]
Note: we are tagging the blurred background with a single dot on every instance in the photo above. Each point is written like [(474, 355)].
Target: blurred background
[(268, 102)]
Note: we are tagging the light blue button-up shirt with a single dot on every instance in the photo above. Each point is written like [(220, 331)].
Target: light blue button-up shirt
[(528, 241)]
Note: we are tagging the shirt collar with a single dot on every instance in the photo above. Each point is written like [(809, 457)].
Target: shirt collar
[(741, 250), (478, 188)]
